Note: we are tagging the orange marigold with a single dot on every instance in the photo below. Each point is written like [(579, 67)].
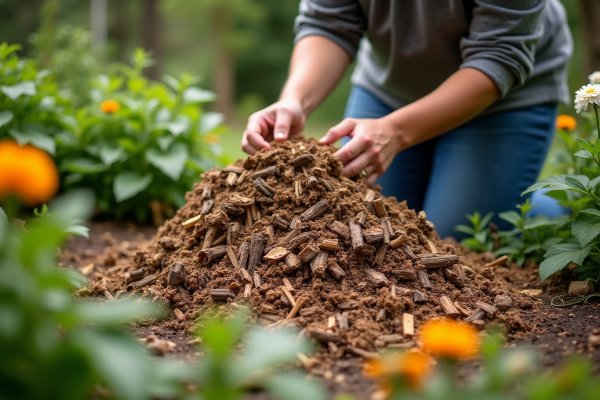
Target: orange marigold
[(414, 366), (27, 172), (110, 106), (449, 338), (566, 122)]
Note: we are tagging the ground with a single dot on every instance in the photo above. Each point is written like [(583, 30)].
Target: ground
[(556, 332)]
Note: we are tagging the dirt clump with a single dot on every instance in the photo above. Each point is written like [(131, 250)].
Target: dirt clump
[(284, 233)]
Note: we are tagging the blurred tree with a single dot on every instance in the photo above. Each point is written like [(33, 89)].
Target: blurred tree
[(152, 36), (590, 12), (230, 27)]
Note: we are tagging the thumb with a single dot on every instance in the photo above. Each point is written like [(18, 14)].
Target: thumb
[(342, 129), (283, 121)]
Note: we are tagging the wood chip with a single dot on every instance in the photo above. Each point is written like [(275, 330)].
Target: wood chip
[(448, 307), (233, 231), (361, 218), (266, 172), (432, 247), (234, 169), (244, 252), (404, 274), (288, 285), (179, 314), (454, 277), (319, 264), (328, 244), (336, 271), (340, 229), (498, 262), (308, 253), (380, 255), (381, 315), (301, 160), (349, 305), (206, 256), (377, 278), (408, 325), (292, 262), (231, 179), (432, 261), (424, 279), (489, 309), (247, 290), (206, 192), (257, 280), (356, 236), (232, 257), (242, 201), (315, 211), (373, 235), (296, 241), (207, 206), (190, 223), (278, 253), (400, 239), (176, 275), (379, 208), (221, 294), (299, 303), (367, 355), (477, 315), (369, 197), (419, 298), (220, 240), (257, 244), (323, 336), (288, 295), (262, 186), (342, 320), (242, 177)]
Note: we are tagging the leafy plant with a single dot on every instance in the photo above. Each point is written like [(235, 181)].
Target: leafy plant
[(30, 109), (52, 346), (225, 375), (580, 193), (479, 238), (531, 237), (148, 142)]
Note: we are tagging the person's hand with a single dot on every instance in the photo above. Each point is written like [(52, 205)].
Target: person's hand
[(374, 144), (278, 121)]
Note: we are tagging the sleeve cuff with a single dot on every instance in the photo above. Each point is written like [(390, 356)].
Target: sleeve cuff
[(498, 73), (347, 46)]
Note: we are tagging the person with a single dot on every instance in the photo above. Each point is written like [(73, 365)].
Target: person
[(453, 103)]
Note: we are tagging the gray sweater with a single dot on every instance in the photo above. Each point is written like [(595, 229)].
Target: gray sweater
[(407, 48)]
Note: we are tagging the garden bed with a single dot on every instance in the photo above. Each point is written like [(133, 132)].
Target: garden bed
[(114, 253)]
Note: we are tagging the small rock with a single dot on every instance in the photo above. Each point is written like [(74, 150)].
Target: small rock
[(503, 302), (479, 323), (159, 346), (488, 273), (580, 288), (594, 341), (168, 243)]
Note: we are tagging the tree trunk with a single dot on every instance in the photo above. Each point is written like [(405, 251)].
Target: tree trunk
[(151, 39), (224, 65), (590, 15), (120, 28)]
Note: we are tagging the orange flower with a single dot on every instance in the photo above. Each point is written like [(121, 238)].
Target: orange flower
[(414, 366), (449, 338), (212, 138), (27, 172), (566, 122), (110, 106)]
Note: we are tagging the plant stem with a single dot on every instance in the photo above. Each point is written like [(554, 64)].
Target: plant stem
[(597, 120)]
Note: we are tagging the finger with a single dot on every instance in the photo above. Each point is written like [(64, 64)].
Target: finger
[(259, 125), (342, 129), (257, 141), (354, 167), (283, 122), (372, 178), (246, 146), (353, 148)]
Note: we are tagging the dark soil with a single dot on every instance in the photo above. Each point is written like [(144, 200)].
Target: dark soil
[(116, 250)]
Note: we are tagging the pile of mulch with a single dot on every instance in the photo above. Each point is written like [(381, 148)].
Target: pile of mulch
[(285, 234)]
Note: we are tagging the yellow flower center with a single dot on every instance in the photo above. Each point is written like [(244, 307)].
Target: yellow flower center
[(591, 90)]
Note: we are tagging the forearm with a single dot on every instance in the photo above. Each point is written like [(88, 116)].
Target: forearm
[(460, 98), (316, 67)]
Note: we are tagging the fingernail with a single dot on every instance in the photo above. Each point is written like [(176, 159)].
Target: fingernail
[(280, 135)]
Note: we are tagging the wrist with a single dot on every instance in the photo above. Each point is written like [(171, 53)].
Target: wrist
[(295, 99), (396, 123)]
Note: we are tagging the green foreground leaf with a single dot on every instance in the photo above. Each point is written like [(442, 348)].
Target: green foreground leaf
[(557, 257), (128, 184)]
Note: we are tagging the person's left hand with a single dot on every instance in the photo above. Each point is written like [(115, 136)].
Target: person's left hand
[(374, 144)]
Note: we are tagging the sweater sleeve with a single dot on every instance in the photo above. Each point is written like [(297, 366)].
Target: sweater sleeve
[(341, 21), (502, 38)]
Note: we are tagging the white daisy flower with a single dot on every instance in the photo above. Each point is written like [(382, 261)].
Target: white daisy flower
[(594, 77), (587, 95)]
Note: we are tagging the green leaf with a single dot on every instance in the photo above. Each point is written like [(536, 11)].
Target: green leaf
[(295, 386), (578, 182), (481, 236), (22, 88), (537, 222), (3, 217), (584, 154), (596, 148), (128, 184), (178, 127), (195, 95), (109, 154), (594, 184), (486, 219), (170, 163), (585, 144), (210, 121), (512, 217), (464, 229), (165, 141), (266, 350), (35, 138), (586, 226), (5, 117), (557, 257), (553, 183), (532, 247), (120, 361), (83, 166)]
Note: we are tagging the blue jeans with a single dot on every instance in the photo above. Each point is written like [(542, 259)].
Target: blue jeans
[(483, 165)]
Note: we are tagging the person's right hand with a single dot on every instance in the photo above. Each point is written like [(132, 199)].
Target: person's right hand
[(278, 121)]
